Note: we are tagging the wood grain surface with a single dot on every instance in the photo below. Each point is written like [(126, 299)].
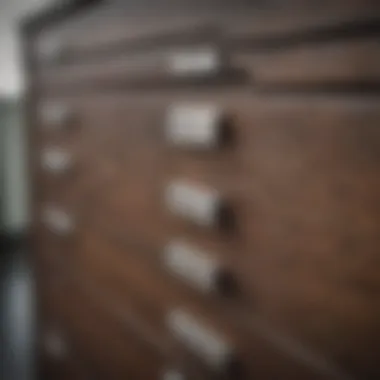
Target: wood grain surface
[(297, 173)]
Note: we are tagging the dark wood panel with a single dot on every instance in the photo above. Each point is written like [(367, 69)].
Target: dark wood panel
[(343, 62), (142, 289), (93, 333), (348, 61), (297, 24), (147, 71), (102, 329), (114, 36)]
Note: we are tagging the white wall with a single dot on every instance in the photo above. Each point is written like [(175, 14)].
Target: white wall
[(12, 133), (11, 82)]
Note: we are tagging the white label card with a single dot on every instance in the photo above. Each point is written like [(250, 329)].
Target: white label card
[(195, 61), (192, 126), (51, 48), (55, 345), (201, 340), (193, 203), (56, 160), (54, 115), (57, 220), (173, 374), (192, 265)]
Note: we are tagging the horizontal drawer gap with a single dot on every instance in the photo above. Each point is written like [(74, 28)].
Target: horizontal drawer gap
[(335, 33), (149, 44)]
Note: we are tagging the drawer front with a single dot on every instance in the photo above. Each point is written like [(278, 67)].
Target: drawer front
[(350, 61), (100, 31), (326, 46), (86, 39), (153, 298), (345, 62), (78, 323), (295, 157), (299, 21), (291, 218), (188, 222), (280, 176), (103, 29), (182, 65)]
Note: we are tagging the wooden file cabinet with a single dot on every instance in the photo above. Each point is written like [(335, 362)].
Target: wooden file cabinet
[(205, 188)]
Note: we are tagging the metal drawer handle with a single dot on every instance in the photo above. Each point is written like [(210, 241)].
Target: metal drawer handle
[(197, 268), (198, 61), (56, 160), (197, 204), (57, 221), (51, 49), (55, 115), (194, 127), (201, 340), (54, 345), (173, 374)]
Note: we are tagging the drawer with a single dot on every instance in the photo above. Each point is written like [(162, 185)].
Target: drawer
[(229, 356), (325, 46), (151, 296), (197, 64), (103, 29), (271, 132), (202, 230), (263, 287), (57, 160), (150, 52), (126, 134), (140, 219), (57, 118), (83, 41), (196, 366), (266, 288), (99, 154), (123, 142), (107, 127), (312, 183), (73, 189), (282, 144), (52, 252), (293, 219), (351, 61), (87, 328), (297, 21), (124, 169), (135, 282)]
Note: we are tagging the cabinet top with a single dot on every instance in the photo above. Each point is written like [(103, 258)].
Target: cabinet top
[(54, 12), (60, 10)]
